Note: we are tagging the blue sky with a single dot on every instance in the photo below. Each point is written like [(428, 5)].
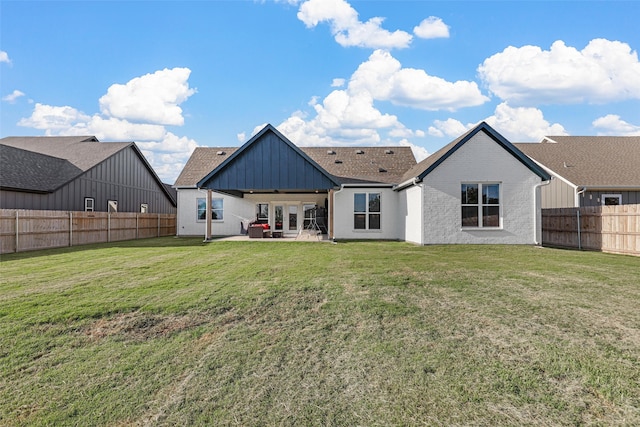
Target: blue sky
[(173, 75)]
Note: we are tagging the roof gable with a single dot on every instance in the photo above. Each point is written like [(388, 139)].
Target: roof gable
[(422, 169), (268, 161), (590, 161)]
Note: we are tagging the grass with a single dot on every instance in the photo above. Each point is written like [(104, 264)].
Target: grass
[(174, 332)]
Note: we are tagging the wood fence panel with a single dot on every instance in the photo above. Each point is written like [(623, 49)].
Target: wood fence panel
[(23, 230), (614, 229)]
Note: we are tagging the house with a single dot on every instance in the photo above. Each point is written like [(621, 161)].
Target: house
[(478, 189), (270, 180), (588, 170), (79, 173)]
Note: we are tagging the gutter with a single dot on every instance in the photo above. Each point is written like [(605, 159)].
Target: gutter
[(413, 181), (578, 193)]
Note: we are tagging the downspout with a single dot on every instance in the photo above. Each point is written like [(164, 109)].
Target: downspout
[(578, 215), (578, 196), (333, 212), (535, 218)]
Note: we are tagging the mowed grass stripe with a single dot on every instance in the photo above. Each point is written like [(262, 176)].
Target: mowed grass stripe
[(173, 331)]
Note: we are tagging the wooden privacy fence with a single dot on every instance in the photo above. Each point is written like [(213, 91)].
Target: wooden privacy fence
[(614, 229), (25, 230)]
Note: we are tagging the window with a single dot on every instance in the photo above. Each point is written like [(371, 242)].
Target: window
[(217, 211), (480, 205), (113, 205), (88, 204), (366, 211), (309, 212), (611, 199), (144, 208), (262, 212), (293, 217)]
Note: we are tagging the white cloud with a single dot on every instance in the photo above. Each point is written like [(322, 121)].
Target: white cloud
[(11, 98), (53, 119), (4, 57), (338, 82), (612, 124), (603, 71), (522, 124), (383, 76), (347, 29), (241, 137), (136, 111), (420, 153), (152, 98), (451, 128), (432, 28)]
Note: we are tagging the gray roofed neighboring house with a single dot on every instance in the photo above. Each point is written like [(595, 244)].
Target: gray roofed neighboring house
[(589, 170), (62, 173)]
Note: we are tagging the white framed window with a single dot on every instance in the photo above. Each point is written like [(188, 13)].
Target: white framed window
[(144, 208), (262, 213), (89, 203), (366, 211), (217, 209), (309, 212), (113, 206), (481, 206), (611, 199)]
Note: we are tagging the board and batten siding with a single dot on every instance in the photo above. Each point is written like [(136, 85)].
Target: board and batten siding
[(481, 160), (558, 194), (122, 177)]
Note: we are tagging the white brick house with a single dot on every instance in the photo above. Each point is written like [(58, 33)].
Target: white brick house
[(478, 189)]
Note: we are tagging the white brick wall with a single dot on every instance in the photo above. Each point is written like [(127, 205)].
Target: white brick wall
[(480, 160)]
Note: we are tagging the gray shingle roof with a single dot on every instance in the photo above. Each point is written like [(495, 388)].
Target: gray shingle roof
[(347, 164), (84, 152), (363, 164), (202, 161), (591, 161), (29, 171)]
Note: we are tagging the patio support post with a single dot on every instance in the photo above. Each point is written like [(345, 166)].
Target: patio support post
[(207, 237)]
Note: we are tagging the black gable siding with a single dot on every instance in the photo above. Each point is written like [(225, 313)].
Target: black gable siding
[(269, 164)]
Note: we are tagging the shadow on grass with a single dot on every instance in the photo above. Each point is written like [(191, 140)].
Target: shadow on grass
[(154, 242)]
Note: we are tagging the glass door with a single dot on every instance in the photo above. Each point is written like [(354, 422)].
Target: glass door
[(292, 225)]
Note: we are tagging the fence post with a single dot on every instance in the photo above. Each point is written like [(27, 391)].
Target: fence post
[(579, 239), (70, 228), (108, 227), (137, 227), (158, 225), (17, 232)]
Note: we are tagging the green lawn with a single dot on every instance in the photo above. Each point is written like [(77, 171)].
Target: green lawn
[(173, 332)]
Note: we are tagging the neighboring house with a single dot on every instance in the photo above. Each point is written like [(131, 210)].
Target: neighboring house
[(588, 170), (79, 173), (478, 189)]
